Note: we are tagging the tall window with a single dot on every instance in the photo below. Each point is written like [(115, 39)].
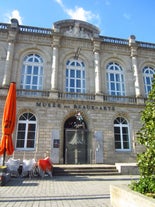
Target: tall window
[(32, 73), (26, 132), (115, 80), (75, 76), (121, 134), (148, 73)]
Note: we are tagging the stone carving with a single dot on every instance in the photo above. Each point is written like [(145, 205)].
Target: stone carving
[(76, 28), (77, 31)]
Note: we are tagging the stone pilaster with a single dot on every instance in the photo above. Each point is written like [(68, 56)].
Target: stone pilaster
[(13, 30), (133, 47), (97, 66), (54, 75)]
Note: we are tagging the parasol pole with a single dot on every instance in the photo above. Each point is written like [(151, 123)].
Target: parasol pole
[(4, 155)]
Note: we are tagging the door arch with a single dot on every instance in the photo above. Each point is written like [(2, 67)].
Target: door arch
[(76, 140)]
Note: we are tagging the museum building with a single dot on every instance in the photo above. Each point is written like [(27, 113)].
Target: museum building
[(79, 94)]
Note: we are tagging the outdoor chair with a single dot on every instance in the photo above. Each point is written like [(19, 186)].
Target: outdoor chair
[(1, 161), (13, 166), (45, 166), (27, 167)]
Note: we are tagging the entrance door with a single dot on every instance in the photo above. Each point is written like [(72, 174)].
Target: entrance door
[(76, 146), (76, 142)]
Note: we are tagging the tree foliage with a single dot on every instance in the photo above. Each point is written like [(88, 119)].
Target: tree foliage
[(146, 137)]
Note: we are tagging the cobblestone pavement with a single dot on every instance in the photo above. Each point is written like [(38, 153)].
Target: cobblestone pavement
[(65, 191)]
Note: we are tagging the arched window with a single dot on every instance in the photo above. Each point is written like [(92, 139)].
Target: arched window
[(32, 73), (148, 73), (115, 79), (121, 134), (26, 132), (75, 76)]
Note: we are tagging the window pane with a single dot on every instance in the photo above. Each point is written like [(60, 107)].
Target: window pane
[(34, 87), (21, 135), (112, 86), (72, 73), (31, 117), (117, 77), (78, 64), (35, 80), (30, 144), (126, 145), (20, 139), (149, 88), (72, 84), (117, 130), (30, 59), (125, 130), (117, 137), (29, 69), (125, 137), (35, 70), (118, 86), (78, 83), (21, 127), (72, 90), (148, 80), (111, 77), (117, 145), (28, 79), (32, 127), (20, 144), (78, 74), (27, 87)]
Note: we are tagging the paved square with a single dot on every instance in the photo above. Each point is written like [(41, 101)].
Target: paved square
[(65, 191)]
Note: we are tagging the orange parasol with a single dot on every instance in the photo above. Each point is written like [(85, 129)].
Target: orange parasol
[(8, 122)]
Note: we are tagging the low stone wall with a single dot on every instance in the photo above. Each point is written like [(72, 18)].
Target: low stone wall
[(127, 168), (122, 195)]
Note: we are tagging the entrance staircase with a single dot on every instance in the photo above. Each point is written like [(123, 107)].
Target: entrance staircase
[(85, 170)]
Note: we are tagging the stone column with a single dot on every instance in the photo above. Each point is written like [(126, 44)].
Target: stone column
[(97, 67), (54, 75), (10, 52), (133, 47)]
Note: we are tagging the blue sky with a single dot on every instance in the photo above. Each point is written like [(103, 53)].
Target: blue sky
[(115, 18)]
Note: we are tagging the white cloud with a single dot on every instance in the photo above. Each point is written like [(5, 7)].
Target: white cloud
[(14, 14), (78, 12), (60, 2)]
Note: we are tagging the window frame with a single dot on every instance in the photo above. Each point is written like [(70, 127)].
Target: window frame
[(115, 79), (148, 73), (26, 121), (32, 72), (75, 76), (123, 124)]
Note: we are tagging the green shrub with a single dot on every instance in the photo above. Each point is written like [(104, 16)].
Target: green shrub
[(144, 185), (146, 137)]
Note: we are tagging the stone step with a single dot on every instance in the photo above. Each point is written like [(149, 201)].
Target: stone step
[(84, 170)]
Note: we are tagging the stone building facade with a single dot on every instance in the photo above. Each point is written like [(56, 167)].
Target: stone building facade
[(79, 94)]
